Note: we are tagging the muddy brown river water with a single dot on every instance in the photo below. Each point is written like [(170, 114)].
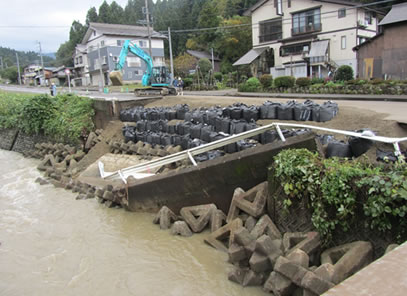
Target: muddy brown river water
[(52, 244)]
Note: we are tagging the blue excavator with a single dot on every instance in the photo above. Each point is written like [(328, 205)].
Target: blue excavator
[(155, 81)]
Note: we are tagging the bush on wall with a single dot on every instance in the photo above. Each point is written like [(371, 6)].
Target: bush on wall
[(284, 81)]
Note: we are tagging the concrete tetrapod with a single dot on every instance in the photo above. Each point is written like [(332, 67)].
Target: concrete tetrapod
[(223, 238), (348, 259), (164, 217), (48, 161), (197, 217), (266, 226), (181, 228), (252, 202)]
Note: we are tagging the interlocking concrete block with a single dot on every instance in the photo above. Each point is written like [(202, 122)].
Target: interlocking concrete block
[(259, 262), (309, 242), (233, 210), (165, 217), (243, 236), (277, 251), (348, 259), (197, 217), (299, 257), (252, 278), (217, 220), (48, 161), (315, 284), (250, 248), (325, 271), (266, 226), (108, 195), (290, 270), (99, 192), (266, 246), (237, 275), (181, 228), (252, 202), (250, 223), (223, 238), (279, 285), (236, 253)]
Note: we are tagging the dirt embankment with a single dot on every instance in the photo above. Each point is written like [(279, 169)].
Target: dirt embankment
[(349, 118)]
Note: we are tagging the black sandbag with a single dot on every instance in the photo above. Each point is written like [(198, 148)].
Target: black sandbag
[(195, 131), (272, 110), (226, 112), (225, 125), (140, 136), (165, 140), (285, 111), (231, 148), (176, 140), (287, 133), (325, 139), (243, 145), (141, 125), (206, 132), (326, 113), (214, 136), (195, 143), (185, 140), (264, 109), (170, 114), (268, 137), (385, 156), (171, 128), (149, 138), (201, 157), (218, 124), (188, 116), (156, 137), (251, 126), (237, 126), (161, 115), (154, 126), (137, 116), (129, 133), (181, 110), (125, 115), (197, 117), (211, 118), (162, 126), (215, 154), (316, 109), (338, 149), (236, 112), (250, 113), (359, 146), (152, 114)]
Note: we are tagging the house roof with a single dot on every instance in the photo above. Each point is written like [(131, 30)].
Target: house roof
[(398, 13), (120, 30), (261, 2), (202, 55)]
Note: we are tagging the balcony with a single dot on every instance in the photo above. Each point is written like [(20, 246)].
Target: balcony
[(306, 29), (270, 37)]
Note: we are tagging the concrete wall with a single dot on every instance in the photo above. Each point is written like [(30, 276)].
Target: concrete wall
[(212, 181)]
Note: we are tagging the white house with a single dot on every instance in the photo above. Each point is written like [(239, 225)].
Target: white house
[(81, 66), (306, 38), (103, 44)]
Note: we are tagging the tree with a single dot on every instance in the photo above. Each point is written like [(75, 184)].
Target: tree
[(10, 73), (184, 63), (133, 12), (91, 16), (208, 19), (104, 13), (116, 13)]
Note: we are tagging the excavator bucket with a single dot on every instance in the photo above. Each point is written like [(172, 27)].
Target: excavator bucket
[(116, 77)]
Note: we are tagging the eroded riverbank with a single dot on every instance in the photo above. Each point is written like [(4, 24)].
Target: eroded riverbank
[(52, 244)]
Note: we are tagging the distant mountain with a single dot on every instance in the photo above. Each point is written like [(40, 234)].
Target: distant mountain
[(8, 56), (52, 55)]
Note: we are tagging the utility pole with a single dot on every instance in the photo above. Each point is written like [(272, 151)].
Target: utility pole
[(18, 69), (171, 62), (2, 66), (213, 62), (42, 63), (101, 84), (148, 28)]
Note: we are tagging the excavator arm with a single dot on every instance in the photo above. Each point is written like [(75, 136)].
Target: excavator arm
[(134, 49)]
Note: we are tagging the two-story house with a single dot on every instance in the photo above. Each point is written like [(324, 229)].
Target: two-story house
[(103, 45), (81, 66), (306, 38)]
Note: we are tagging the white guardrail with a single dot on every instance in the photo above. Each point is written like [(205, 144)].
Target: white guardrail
[(137, 171)]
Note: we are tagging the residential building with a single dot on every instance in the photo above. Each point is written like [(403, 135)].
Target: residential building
[(103, 45), (81, 66), (198, 55), (385, 55), (306, 38), (60, 76), (30, 74)]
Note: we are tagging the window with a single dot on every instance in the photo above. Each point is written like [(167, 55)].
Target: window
[(90, 48), (94, 33), (142, 43), (271, 30), (115, 59), (138, 72), (341, 12), (133, 62), (102, 43), (130, 75), (362, 39), (279, 8), (306, 21), (76, 61), (294, 49), (96, 63), (343, 42), (289, 3), (104, 60), (368, 18), (120, 42), (80, 60)]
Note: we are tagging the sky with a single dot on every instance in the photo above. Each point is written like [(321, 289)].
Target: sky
[(24, 23)]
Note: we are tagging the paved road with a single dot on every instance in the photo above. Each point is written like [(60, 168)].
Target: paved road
[(394, 106)]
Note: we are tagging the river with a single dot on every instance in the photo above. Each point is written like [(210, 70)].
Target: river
[(52, 244)]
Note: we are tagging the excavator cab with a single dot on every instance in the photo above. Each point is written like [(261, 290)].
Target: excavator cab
[(161, 76)]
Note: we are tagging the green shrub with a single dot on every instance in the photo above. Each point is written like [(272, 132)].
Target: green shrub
[(344, 73), (35, 112), (303, 81), (344, 194), (316, 80), (266, 80), (218, 76), (251, 85), (284, 81), (377, 81), (188, 81)]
